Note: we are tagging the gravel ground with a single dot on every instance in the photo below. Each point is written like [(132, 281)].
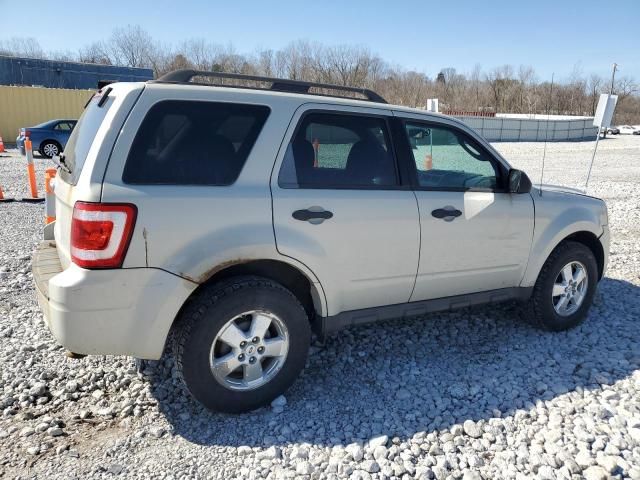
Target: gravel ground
[(472, 394)]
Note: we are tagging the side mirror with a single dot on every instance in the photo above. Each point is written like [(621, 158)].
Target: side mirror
[(519, 182)]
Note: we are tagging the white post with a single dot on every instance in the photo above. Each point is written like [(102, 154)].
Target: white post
[(593, 156)]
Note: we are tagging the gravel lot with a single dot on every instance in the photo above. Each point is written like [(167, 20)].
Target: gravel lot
[(472, 394)]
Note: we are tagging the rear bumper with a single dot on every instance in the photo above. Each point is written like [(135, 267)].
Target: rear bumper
[(107, 312)]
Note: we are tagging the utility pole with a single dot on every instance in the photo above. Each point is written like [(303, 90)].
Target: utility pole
[(613, 78)]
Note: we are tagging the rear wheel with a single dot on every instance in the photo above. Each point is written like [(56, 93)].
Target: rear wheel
[(565, 287), (241, 343), (50, 149)]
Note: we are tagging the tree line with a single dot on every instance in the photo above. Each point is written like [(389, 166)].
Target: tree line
[(504, 89)]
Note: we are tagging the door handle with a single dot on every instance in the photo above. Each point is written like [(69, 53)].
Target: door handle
[(313, 215), (448, 213)]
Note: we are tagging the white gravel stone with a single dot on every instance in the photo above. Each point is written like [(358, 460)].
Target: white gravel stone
[(304, 468), (380, 440), (280, 401), (370, 466), (55, 432), (595, 473), (356, 451), (471, 475), (33, 450), (472, 429), (97, 394), (157, 432), (270, 453)]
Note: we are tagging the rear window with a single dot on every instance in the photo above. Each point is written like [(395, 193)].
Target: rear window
[(81, 138), (193, 143)]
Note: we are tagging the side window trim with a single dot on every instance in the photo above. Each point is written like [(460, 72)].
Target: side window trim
[(404, 183), (406, 145)]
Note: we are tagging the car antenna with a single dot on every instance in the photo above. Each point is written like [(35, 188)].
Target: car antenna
[(546, 134)]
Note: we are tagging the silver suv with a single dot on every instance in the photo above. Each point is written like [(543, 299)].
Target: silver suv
[(242, 219)]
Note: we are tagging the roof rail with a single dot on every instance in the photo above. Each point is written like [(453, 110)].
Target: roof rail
[(277, 84)]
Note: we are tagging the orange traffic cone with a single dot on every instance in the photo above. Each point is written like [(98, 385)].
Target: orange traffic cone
[(49, 197), (1, 145), (31, 173), (3, 198), (316, 147)]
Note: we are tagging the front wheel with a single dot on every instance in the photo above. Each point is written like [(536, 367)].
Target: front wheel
[(241, 343), (565, 287)]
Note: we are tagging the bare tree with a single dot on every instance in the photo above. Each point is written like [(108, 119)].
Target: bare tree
[(500, 81), (625, 87), (22, 47), (96, 52), (131, 46), (595, 87)]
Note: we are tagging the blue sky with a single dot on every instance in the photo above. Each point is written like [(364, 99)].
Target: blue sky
[(551, 36)]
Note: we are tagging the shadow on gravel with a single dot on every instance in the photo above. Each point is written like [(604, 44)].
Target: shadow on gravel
[(425, 374)]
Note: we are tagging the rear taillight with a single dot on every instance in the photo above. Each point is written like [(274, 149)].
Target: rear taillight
[(27, 133), (100, 233)]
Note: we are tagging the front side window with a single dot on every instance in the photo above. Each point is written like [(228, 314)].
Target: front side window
[(339, 151), (193, 143), (448, 159)]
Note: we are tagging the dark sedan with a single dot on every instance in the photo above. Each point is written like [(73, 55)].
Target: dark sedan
[(48, 138)]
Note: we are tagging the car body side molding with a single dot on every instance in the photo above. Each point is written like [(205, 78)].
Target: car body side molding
[(326, 325)]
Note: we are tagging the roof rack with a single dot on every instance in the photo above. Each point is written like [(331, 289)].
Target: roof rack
[(277, 84)]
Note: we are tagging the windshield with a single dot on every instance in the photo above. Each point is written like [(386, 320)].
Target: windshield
[(81, 139)]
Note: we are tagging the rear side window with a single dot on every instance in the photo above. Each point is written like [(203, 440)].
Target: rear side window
[(193, 143), (339, 151)]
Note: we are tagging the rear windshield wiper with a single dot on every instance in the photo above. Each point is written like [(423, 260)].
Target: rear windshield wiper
[(59, 161)]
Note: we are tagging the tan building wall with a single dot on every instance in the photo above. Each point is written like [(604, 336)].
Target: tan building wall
[(28, 106)]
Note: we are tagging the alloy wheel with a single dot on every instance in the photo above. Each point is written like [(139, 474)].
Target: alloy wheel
[(570, 288), (249, 350)]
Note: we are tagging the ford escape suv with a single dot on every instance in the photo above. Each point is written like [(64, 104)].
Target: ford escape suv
[(242, 218)]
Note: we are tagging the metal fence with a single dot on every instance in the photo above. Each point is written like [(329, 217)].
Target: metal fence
[(505, 129)]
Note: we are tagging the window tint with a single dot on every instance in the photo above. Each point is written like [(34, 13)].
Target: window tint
[(342, 151), (81, 138), (193, 143), (449, 159)]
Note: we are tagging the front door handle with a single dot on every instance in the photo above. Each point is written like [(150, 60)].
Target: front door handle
[(313, 215), (448, 213)]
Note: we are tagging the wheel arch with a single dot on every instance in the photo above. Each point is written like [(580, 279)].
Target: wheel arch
[(50, 140), (591, 241), (305, 289), (586, 237)]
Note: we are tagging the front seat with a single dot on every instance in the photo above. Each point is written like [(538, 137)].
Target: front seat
[(303, 157), (370, 164)]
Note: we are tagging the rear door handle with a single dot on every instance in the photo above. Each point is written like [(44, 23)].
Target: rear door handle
[(313, 215), (448, 213)]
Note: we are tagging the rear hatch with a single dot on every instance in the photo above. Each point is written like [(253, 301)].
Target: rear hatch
[(86, 155)]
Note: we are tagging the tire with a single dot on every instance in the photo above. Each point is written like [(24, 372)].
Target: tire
[(541, 307), (208, 316), (50, 149)]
